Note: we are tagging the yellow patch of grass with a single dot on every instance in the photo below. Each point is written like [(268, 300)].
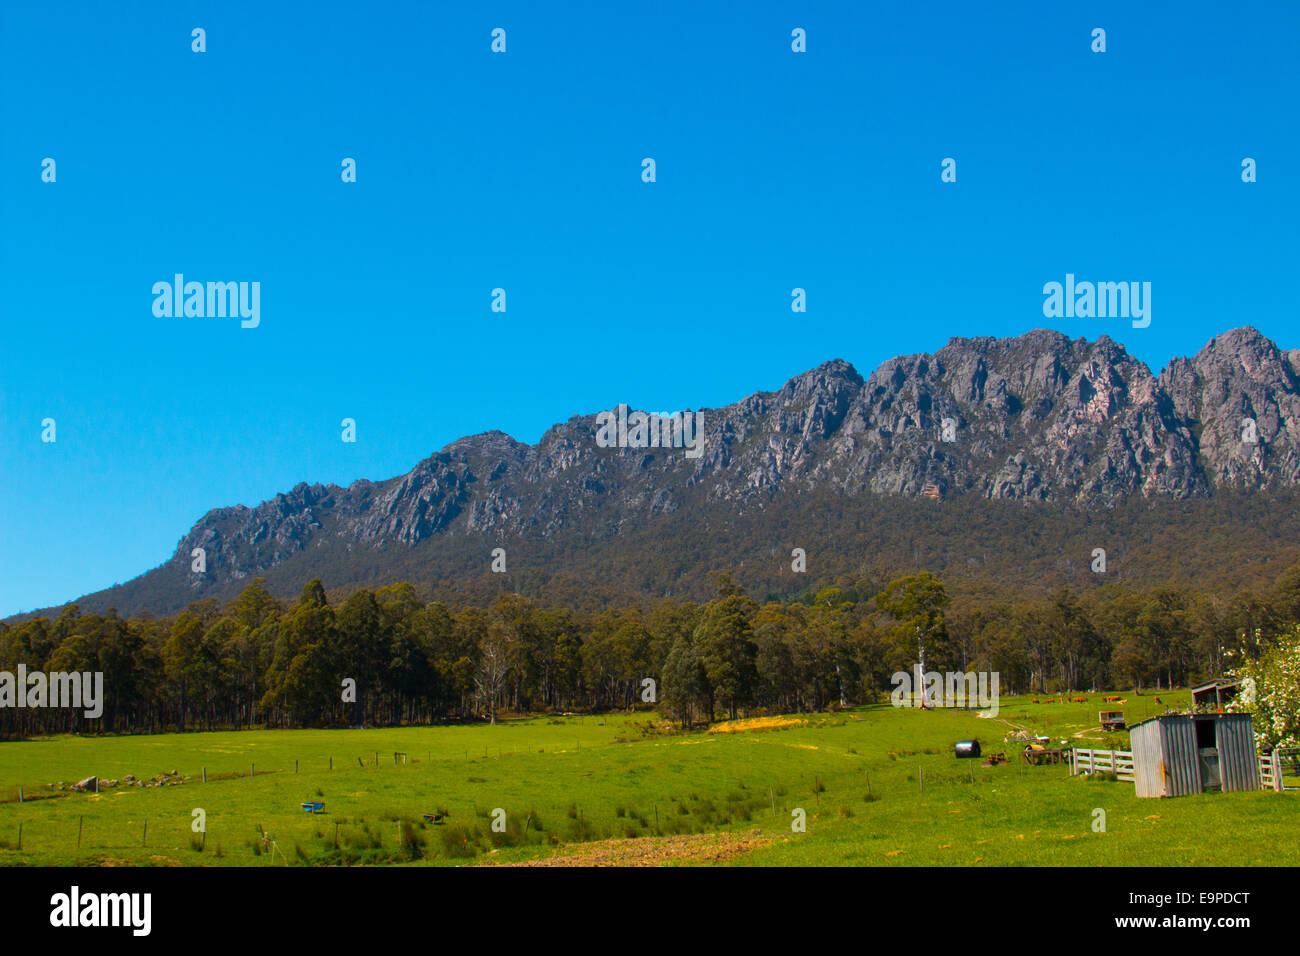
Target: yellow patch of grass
[(755, 723)]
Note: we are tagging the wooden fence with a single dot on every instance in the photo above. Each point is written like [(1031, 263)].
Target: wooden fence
[(1118, 762)]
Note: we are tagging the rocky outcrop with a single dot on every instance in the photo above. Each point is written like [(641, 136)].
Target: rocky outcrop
[(1239, 395)]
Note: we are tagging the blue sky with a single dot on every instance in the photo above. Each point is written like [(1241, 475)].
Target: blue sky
[(523, 171)]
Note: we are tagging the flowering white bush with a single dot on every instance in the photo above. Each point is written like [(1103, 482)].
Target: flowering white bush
[(1275, 702)]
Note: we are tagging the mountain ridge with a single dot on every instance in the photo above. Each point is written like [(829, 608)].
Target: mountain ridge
[(1036, 418)]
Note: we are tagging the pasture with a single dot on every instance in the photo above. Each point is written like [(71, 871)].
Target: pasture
[(879, 787)]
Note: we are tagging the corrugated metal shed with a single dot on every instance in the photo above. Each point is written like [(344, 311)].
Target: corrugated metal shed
[(1238, 759), (1180, 754)]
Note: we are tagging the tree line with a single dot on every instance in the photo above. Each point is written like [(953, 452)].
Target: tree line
[(384, 657)]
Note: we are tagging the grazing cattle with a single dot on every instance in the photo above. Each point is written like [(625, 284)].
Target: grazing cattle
[(1079, 700)]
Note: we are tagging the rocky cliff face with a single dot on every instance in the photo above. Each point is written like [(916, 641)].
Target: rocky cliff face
[(1240, 386), (1037, 417)]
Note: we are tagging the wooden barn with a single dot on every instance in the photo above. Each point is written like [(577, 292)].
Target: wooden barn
[(1180, 754)]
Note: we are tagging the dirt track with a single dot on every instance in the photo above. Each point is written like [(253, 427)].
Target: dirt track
[(650, 851)]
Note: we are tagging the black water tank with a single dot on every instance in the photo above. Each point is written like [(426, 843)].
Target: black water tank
[(967, 748)]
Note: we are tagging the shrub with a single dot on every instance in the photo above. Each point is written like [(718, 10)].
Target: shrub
[(581, 830), (459, 842), (411, 841)]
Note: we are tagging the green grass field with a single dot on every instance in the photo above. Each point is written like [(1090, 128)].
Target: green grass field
[(565, 783)]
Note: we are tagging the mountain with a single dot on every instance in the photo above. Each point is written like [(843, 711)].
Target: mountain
[(1058, 446)]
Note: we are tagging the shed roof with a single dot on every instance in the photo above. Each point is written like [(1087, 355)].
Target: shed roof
[(1191, 717)]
